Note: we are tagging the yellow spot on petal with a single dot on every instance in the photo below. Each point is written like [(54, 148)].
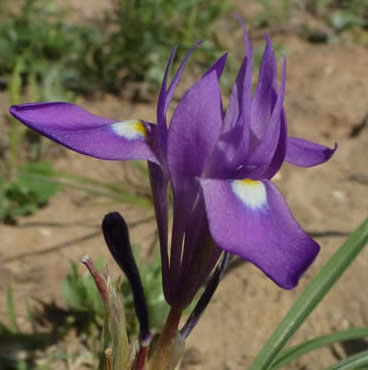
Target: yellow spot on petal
[(132, 129), (252, 193), (249, 182), (141, 128)]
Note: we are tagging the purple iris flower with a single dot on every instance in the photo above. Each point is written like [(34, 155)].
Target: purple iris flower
[(219, 165)]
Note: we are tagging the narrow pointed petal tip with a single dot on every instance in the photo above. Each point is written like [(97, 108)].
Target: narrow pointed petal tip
[(304, 153), (86, 133), (259, 228)]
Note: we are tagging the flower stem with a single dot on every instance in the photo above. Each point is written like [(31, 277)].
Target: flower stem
[(141, 358), (165, 345)]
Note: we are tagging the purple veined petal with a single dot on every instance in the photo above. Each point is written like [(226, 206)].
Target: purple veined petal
[(251, 219), (305, 153), (86, 133), (183, 203), (263, 99), (193, 132), (261, 163)]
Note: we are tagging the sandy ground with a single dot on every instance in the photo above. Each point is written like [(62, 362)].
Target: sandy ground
[(327, 99)]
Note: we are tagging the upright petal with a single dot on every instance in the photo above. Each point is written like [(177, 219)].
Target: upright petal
[(304, 153), (268, 156), (86, 133), (194, 130), (161, 104), (159, 185), (263, 99), (240, 99), (176, 79), (251, 219)]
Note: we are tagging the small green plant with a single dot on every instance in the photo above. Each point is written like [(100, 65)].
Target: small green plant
[(24, 194), (342, 15), (81, 295), (50, 48), (274, 14), (129, 46), (143, 30)]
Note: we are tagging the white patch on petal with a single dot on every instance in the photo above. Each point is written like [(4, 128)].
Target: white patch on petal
[(252, 193), (132, 129)]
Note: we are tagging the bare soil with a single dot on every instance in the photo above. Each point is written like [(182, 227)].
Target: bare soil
[(327, 101)]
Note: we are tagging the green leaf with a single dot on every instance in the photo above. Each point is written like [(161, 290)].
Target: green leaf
[(352, 362), (311, 345), (11, 309), (312, 295)]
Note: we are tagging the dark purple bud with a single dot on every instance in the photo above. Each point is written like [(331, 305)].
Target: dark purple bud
[(116, 235), (201, 305)]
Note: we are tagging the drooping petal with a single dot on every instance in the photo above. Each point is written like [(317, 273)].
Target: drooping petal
[(263, 99), (305, 153), (86, 133), (251, 219)]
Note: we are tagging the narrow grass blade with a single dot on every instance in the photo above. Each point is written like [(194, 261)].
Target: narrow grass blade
[(311, 345), (312, 295), (352, 362), (11, 309), (107, 192)]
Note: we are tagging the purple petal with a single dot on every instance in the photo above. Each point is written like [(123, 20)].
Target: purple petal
[(86, 133), (269, 154), (161, 104), (263, 99), (240, 99), (304, 153), (193, 133), (176, 79), (233, 110), (159, 185), (251, 219), (194, 130), (218, 66)]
